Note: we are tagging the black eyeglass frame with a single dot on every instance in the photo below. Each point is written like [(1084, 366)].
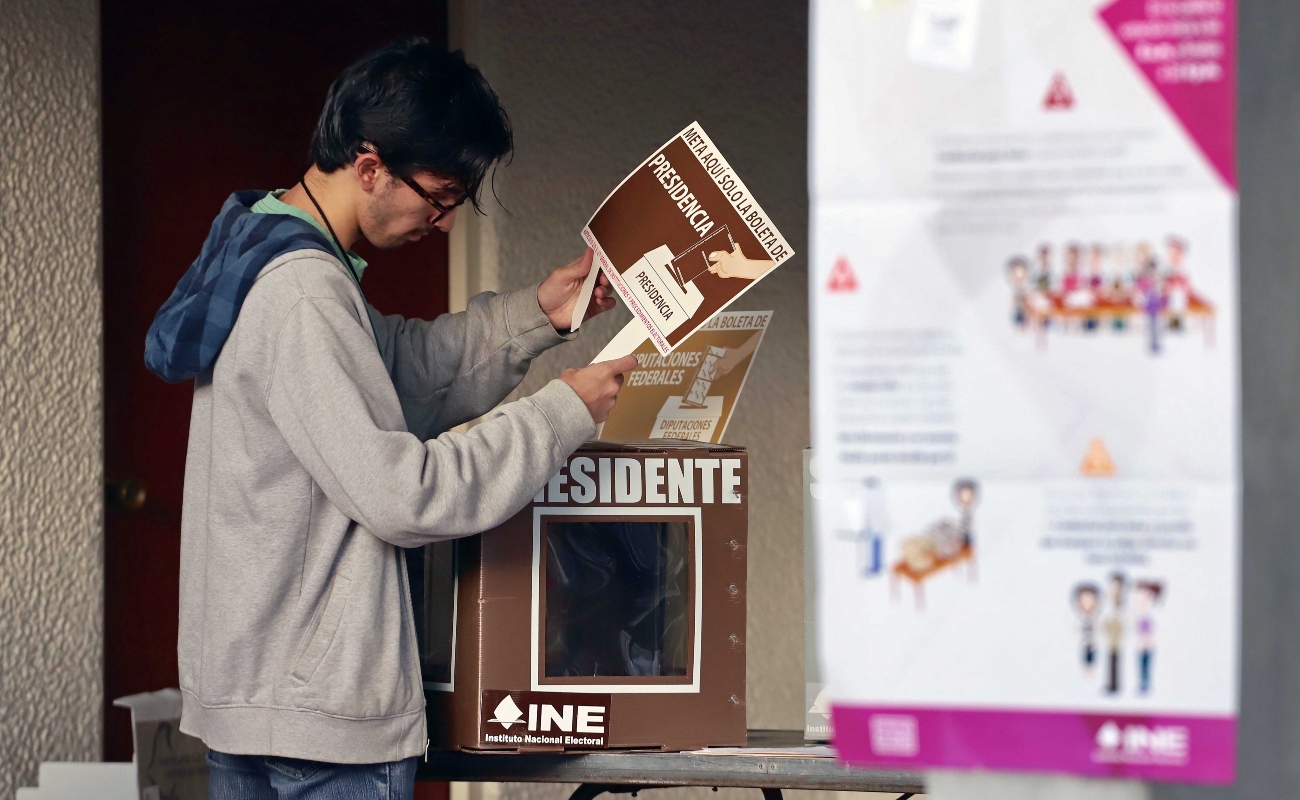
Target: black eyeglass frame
[(420, 190)]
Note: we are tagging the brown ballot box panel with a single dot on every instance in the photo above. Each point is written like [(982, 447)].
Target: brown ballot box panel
[(608, 613)]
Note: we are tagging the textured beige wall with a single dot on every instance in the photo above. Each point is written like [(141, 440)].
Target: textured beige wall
[(51, 454)]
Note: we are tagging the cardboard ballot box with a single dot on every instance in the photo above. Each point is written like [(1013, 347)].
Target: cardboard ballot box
[(608, 613)]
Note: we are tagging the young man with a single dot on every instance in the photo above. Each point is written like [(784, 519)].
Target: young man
[(318, 445)]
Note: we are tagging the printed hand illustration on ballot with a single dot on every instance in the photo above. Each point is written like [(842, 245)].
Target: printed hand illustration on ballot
[(735, 356), (736, 265)]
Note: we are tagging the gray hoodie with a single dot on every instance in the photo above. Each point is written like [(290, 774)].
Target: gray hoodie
[(314, 456)]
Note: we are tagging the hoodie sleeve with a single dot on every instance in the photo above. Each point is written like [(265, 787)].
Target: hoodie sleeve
[(460, 366), (331, 398)]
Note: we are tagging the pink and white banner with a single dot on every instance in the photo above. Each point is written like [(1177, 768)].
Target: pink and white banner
[(1025, 384)]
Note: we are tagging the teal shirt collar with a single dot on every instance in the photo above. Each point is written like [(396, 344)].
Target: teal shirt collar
[(272, 204)]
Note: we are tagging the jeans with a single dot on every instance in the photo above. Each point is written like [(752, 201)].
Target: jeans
[(273, 778)]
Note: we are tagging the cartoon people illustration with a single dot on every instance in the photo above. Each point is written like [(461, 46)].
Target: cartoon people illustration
[(944, 543), (1093, 291), (1031, 305), (736, 265), (966, 493), (1142, 256), (1108, 286), (865, 520), (948, 540), (873, 529), (1075, 291), (1087, 602), (1072, 280), (1114, 628), (1148, 299), (1044, 277), (1119, 257), (1018, 274), (1096, 262), (1146, 595), (1177, 287)]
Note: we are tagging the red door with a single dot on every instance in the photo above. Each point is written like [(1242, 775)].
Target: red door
[(199, 100)]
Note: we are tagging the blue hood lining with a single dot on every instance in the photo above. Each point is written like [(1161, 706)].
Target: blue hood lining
[(190, 329)]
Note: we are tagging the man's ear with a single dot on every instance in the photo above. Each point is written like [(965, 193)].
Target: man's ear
[(367, 169)]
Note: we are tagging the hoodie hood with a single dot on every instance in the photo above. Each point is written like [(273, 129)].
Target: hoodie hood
[(190, 329)]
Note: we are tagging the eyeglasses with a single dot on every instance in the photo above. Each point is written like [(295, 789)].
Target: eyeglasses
[(443, 210)]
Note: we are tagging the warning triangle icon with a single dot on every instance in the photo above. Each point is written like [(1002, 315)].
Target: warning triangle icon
[(1060, 97), (842, 278), (1097, 462)]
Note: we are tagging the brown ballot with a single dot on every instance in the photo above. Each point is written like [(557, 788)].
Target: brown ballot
[(691, 392), (681, 238)]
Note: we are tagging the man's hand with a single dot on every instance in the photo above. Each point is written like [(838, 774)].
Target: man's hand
[(558, 294), (599, 383)]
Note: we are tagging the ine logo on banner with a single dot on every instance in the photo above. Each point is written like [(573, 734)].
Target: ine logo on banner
[(842, 278), (1060, 97)]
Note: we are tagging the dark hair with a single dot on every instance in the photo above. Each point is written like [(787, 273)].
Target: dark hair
[(422, 108), (1086, 588), (1154, 587)]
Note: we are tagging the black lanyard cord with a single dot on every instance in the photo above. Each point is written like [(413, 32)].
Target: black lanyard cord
[(347, 261)]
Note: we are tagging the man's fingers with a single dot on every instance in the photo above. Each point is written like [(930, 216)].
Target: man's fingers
[(579, 267), (583, 264), (716, 255), (620, 365)]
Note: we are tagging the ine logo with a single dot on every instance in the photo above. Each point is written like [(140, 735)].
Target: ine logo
[(507, 713), (1138, 743), (530, 719)]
